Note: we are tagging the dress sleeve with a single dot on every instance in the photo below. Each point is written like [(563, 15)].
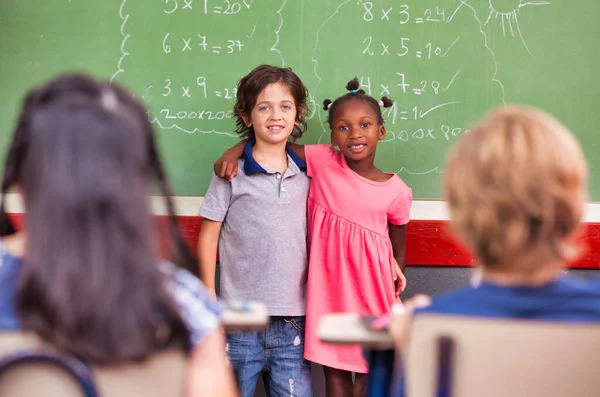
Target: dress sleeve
[(399, 211), (317, 157)]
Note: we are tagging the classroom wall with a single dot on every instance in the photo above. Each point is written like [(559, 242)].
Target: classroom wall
[(435, 280), (430, 241)]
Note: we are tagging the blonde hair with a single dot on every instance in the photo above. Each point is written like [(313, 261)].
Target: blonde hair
[(516, 185)]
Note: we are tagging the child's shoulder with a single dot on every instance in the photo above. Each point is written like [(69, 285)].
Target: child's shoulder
[(399, 186), (320, 150)]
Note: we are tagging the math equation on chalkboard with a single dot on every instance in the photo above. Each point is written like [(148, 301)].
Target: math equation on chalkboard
[(441, 61)]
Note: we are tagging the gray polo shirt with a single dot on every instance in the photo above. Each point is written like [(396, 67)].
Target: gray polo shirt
[(262, 245)]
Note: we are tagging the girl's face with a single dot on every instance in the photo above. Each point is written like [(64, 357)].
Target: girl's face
[(356, 130)]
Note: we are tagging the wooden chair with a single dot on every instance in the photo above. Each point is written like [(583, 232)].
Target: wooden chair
[(163, 374), (473, 357), (35, 372)]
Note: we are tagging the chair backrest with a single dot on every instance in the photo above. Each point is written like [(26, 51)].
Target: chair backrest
[(476, 357), (35, 372), (163, 374)]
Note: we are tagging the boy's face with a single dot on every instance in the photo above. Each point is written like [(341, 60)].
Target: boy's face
[(274, 114)]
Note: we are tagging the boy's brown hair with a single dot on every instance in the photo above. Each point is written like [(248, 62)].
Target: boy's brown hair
[(250, 87), (515, 185)]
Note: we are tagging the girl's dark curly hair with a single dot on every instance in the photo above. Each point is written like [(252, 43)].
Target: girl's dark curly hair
[(356, 94)]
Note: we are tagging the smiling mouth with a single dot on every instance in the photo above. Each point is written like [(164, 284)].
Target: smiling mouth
[(275, 128), (357, 148)]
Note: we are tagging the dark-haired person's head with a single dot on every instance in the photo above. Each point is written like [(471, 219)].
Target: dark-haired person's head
[(83, 155), (356, 123), (355, 94)]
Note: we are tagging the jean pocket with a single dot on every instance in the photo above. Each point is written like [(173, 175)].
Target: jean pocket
[(297, 322)]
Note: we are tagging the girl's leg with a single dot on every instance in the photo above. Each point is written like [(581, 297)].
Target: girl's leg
[(338, 383), (360, 385)]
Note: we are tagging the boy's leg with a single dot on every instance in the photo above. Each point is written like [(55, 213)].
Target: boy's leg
[(246, 354), (338, 383), (288, 371)]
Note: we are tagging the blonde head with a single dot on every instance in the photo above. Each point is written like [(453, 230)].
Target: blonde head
[(516, 188)]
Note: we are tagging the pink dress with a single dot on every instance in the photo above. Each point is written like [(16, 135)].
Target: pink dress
[(350, 259)]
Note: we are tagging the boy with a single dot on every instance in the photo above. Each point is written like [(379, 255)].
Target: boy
[(258, 221), (516, 188)]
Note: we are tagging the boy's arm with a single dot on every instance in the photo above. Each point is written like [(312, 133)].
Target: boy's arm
[(398, 238), (207, 252)]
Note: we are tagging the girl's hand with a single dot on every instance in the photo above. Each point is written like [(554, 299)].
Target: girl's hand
[(399, 279), (226, 167)]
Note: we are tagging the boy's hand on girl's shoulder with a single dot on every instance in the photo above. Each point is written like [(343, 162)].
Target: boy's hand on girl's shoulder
[(226, 167)]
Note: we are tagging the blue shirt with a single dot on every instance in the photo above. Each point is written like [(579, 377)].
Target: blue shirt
[(9, 271), (567, 299), (199, 311)]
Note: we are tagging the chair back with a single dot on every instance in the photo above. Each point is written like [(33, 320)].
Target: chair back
[(474, 357), (36, 372), (162, 374)]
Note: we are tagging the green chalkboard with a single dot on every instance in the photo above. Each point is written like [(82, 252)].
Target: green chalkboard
[(445, 62)]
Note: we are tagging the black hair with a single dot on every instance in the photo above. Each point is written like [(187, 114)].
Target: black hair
[(356, 94), (249, 88), (83, 155)]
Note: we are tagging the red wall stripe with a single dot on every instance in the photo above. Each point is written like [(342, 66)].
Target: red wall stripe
[(428, 243)]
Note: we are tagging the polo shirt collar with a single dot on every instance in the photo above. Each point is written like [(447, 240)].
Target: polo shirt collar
[(251, 166)]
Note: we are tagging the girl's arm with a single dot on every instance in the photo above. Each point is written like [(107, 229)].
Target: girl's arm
[(226, 166), (299, 150), (398, 238)]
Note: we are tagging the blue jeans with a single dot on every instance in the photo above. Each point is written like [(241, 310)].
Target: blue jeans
[(277, 353), (381, 372)]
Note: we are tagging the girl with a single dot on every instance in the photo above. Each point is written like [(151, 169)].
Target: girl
[(84, 273), (357, 216)]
